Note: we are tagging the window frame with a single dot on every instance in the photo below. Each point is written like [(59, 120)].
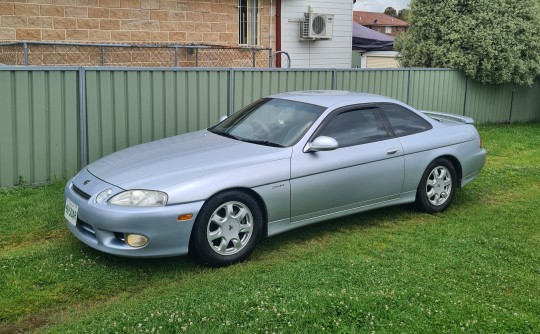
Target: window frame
[(339, 111), (252, 22)]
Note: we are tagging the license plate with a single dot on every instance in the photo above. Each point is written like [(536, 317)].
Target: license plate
[(70, 211)]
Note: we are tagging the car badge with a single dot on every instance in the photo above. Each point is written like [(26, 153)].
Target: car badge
[(86, 182)]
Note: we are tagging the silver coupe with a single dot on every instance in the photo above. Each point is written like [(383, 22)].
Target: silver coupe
[(284, 161)]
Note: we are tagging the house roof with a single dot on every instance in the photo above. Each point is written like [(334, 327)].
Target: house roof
[(377, 19)]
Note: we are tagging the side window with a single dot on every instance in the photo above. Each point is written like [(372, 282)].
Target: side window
[(403, 121), (356, 127)]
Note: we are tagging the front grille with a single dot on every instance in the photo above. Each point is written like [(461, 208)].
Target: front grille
[(80, 192)]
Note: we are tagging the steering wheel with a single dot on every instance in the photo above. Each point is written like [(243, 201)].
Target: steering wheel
[(263, 127)]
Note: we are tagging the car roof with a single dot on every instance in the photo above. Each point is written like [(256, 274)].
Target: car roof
[(327, 98)]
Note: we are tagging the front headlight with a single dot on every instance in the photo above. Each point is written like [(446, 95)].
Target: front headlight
[(102, 196), (140, 198)]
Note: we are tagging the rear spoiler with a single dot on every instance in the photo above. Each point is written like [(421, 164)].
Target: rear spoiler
[(442, 116)]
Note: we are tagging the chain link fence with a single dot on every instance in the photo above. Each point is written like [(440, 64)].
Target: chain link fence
[(70, 54)]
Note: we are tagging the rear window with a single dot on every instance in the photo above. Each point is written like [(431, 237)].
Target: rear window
[(403, 121)]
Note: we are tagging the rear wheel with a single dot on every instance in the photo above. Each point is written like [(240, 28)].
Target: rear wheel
[(437, 186), (227, 228)]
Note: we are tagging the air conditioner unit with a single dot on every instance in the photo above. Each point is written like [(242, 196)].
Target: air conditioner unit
[(316, 26)]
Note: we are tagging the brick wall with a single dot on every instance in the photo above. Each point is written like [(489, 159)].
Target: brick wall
[(126, 21)]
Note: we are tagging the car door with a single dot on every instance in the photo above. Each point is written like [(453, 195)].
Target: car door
[(366, 168)]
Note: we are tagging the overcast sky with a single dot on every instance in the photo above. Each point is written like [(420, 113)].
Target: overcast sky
[(380, 5)]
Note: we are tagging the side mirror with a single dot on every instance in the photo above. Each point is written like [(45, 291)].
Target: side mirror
[(322, 143), (222, 118)]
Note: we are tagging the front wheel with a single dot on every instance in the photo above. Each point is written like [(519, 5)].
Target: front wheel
[(227, 228), (437, 186)]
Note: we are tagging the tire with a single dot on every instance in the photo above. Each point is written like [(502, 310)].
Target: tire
[(227, 229), (437, 186)]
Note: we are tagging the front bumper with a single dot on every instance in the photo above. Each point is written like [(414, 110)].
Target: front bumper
[(104, 227)]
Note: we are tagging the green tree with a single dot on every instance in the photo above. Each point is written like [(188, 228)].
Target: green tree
[(390, 11), (403, 14), (491, 41)]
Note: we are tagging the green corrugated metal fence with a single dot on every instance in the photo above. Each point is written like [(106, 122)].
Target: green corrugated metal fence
[(389, 83), (250, 85), (526, 104), (55, 120), (39, 126), (442, 91), (126, 107)]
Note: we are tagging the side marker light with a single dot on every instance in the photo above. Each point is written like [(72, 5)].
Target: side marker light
[(185, 217)]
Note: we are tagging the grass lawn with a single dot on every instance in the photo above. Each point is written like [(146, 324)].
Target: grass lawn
[(474, 268)]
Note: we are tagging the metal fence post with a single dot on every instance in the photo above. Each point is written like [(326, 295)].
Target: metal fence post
[(409, 84), (82, 119), (102, 55), (334, 79), (175, 56), (511, 105), (465, 98), (230, 109), (253, 57), (25, 48), (196, 57), (270, 58)]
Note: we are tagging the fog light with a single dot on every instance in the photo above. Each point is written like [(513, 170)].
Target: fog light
[(136, 240)]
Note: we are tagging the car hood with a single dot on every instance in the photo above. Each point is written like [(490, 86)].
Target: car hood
[(163, 163)]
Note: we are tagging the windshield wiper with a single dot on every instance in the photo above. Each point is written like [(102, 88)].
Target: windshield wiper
[(226, 134), (247, 140), (261, 142)]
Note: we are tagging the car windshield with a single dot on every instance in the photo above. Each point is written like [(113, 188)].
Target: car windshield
[(271, 122)]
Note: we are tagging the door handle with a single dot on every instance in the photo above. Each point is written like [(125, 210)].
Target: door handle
[(392, 151)]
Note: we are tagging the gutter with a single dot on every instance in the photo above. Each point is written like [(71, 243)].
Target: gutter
[(278, 32)]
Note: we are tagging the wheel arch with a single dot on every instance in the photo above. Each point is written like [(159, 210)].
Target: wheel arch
[(457, 166), (256, 197), (423, 199)]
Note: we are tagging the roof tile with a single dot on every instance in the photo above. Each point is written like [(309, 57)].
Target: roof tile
[(377, 19)]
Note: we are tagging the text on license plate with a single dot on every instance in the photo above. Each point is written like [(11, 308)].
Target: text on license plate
[(70, 211)]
